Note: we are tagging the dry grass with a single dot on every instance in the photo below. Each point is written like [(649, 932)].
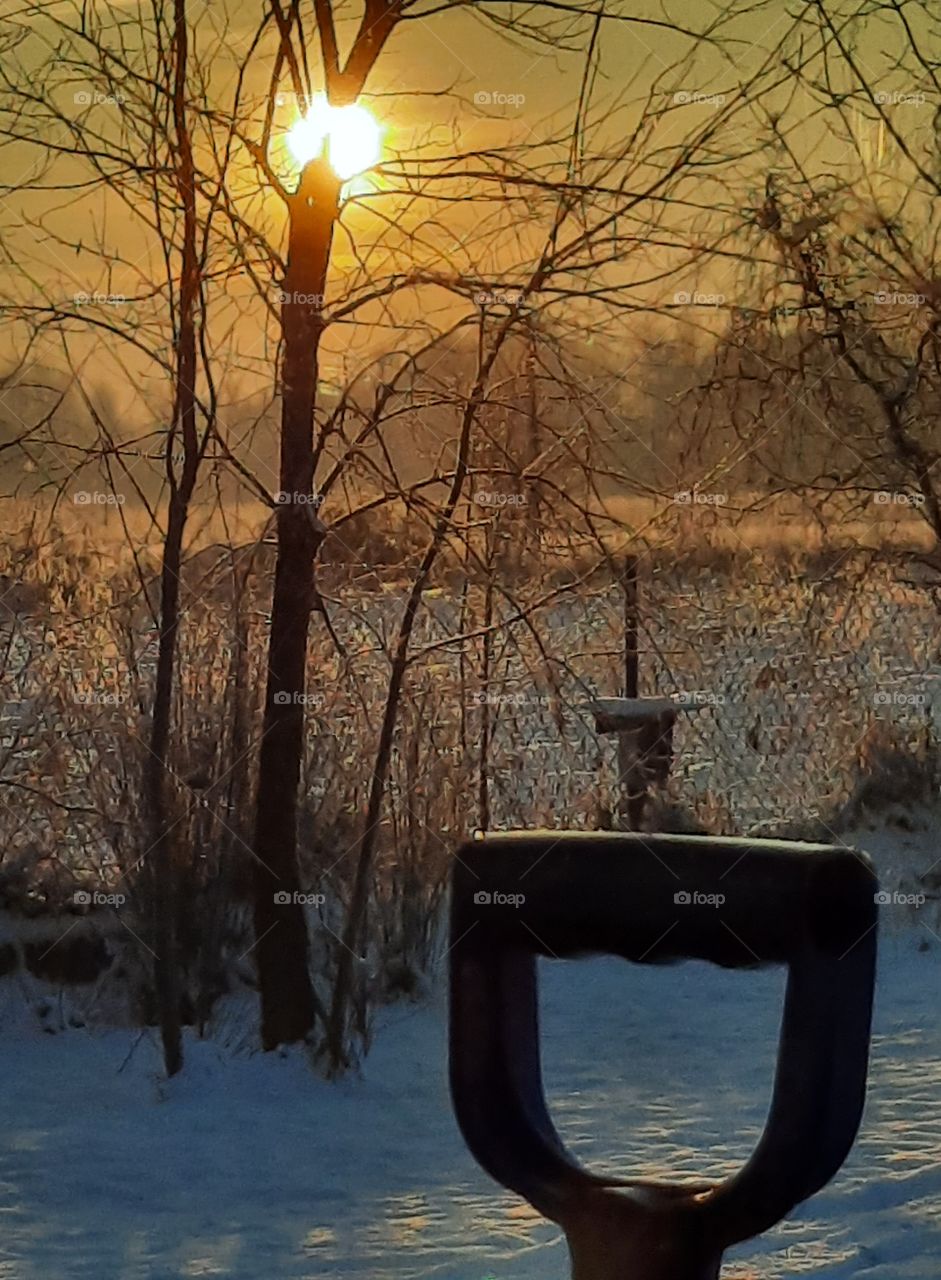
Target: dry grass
[(795, 661), (58, 548)]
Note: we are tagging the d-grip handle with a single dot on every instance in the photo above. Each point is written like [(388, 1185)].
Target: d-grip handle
[(655, 899), (810, 907)]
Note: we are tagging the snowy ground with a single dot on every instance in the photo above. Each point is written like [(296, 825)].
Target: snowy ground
[(248, 1168)]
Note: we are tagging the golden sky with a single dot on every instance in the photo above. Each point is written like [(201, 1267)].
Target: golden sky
[(448, 84)]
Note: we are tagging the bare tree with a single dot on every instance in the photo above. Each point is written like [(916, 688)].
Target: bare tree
[(535, 245), (834, 350), (162, 859)]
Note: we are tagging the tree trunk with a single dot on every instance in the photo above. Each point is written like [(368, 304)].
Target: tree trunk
[(287, 1003), (161, 859)]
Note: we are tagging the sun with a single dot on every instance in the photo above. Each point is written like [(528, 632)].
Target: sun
[(351, 135)]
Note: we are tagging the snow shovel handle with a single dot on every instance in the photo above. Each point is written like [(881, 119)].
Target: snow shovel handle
[(655, 899)]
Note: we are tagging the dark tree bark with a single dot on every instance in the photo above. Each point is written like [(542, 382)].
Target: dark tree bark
[(161, 868), (287, 1003)]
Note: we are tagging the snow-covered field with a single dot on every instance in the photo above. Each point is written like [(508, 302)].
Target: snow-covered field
[(248, 1167)]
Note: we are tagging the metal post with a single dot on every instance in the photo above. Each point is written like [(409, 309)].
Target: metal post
[(629, 582), (630, 753), (533, 445)]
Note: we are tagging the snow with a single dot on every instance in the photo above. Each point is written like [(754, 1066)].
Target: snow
[(250, 1167)]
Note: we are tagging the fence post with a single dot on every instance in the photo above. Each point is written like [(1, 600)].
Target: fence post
[(631, 784), (631, 588)]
